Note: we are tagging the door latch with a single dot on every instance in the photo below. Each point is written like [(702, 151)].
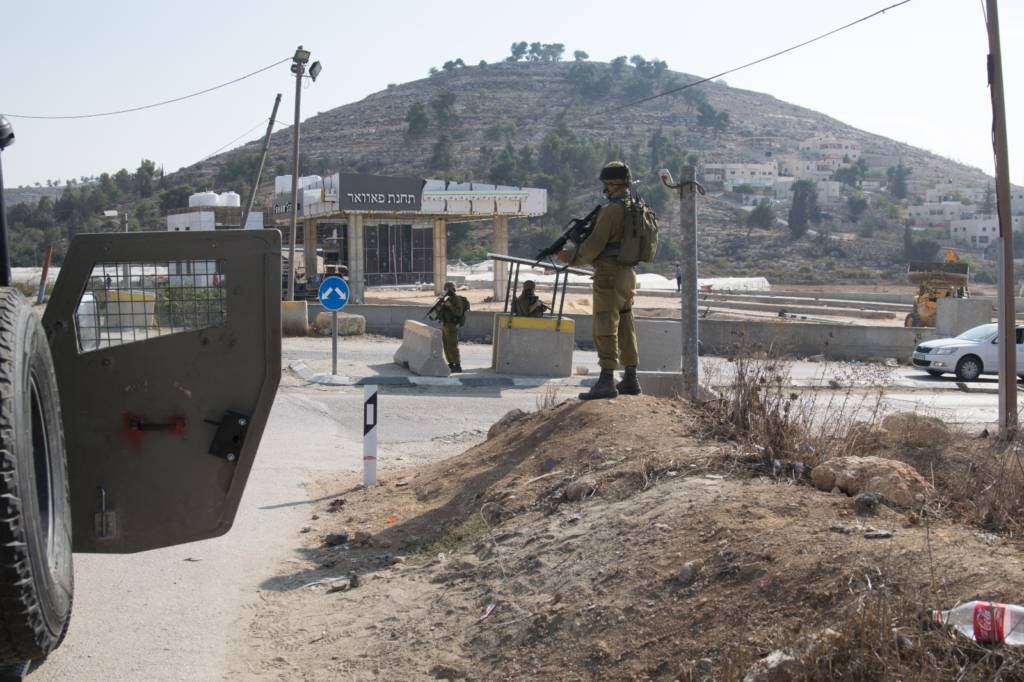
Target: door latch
[(230, 435)]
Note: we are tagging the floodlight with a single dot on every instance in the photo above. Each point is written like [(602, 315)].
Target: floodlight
[(6, 133), (301, 56), (314, 70)]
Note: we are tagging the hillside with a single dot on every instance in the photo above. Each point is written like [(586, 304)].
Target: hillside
[(501, 120)]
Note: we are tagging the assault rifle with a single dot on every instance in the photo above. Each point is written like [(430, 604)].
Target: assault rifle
[(435, 312), (576, 232)]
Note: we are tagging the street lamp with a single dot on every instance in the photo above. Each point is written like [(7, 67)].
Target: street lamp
[(6, 140), (299, 61)]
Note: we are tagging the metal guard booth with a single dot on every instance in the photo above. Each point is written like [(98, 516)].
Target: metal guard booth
[(533, 346)]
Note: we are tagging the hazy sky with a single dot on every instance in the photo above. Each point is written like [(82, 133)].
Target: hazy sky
[(915, 74)]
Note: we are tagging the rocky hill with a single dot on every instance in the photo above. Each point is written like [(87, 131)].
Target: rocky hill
[(494, 123)]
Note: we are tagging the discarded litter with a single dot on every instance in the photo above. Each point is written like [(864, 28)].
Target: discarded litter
[(487, 612), (986, 622)]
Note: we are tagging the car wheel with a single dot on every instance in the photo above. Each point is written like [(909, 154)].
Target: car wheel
[(37, 583), (935, 372), (969, 368)]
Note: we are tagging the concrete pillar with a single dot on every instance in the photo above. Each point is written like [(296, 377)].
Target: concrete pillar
[(309, 248), (500, 246), (440, 255), (356, 259)]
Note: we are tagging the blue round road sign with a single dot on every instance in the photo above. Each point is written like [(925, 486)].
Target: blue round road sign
[(333, 293)]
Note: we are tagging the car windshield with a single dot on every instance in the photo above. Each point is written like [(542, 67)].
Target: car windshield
[(982, 333)]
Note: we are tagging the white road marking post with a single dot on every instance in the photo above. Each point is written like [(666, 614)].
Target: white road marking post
[(371, 421)]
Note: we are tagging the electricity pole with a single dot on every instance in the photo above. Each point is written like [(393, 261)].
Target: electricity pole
[(298, 68), (687, 189), (263, 160), (1007, 311)]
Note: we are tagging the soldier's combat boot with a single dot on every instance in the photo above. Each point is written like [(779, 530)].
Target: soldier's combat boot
[(603, 389), (629, 384), (456, 368)]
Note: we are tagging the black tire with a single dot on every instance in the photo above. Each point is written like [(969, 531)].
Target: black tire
[(969, 368), (935, 372), (36, 577)]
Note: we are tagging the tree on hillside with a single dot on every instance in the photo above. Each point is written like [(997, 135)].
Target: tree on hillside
[(694, 97), (452, 65), (416, 119), (144, 177), (590, 80), (897, 177), (443, 158), (763, 216), (618, 64), (176, 197), (855, 207), (580, 55), (918, 249), (444, 110), (518, 51), (709, 117), (804, 209), (988, 204)]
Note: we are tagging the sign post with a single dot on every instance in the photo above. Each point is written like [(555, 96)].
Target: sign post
[(371, 419), (333, 296)]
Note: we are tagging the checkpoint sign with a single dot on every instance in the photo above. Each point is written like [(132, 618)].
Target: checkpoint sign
[(333, 293)]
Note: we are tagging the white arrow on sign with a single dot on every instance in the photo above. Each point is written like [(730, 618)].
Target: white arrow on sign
[(339, 292)]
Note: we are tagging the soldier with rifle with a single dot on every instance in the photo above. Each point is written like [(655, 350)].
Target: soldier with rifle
[(614, 282), (450, 310), (528, 304)]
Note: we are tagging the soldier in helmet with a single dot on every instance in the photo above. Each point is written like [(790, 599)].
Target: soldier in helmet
[(528, 304), (452, 316), (614, 333)]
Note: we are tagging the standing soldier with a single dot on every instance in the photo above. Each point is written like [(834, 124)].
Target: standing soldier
[(614, 334), (452, 316), (528, 304)]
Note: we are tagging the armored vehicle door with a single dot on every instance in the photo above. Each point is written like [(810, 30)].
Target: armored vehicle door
[(167, 349)]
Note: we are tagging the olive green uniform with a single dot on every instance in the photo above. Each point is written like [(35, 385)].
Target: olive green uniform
[(451, 316), (614, 333), (522, 306)]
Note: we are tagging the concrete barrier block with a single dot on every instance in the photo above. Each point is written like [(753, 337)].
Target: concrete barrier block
[(294, 318), (957, 315), (669, 385), (661, 345), (348, 325), (532, 346), (421, 351)]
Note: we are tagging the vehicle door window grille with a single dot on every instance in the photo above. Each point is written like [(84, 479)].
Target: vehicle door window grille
[(136, 301)]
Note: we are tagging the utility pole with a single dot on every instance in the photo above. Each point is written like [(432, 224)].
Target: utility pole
[(6, 140), (1007, 311), (688, 188), (298, 68), (263, 160)]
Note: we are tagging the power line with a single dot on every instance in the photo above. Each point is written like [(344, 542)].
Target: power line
[(155, 104), (220, 149), (756, 61)]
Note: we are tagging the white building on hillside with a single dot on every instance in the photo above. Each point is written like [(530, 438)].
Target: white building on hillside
[(729, 175), (980, 230), (828, 148), (940, 214)]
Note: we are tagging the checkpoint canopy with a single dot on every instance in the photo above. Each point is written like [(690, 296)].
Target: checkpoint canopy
[(392, 230)]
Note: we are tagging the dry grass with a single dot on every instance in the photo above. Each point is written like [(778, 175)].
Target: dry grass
[(551, 398)]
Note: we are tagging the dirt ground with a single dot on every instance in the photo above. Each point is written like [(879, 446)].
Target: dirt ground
[(672, 561)]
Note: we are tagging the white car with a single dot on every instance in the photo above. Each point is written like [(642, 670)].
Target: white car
[(973, 353)]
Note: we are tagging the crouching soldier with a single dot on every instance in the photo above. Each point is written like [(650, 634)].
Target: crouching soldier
[(528, 304)]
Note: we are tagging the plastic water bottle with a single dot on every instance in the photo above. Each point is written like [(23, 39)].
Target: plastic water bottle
[(986, 622)]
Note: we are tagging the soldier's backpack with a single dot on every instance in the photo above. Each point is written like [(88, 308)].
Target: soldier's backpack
[(640, 235), (465, 310)]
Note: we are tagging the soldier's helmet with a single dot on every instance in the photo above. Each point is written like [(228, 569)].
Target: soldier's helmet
[(449, 286), (529, 285), (615, 171)]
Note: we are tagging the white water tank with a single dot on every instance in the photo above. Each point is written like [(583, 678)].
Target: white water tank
[(232, 199), (202, 199)]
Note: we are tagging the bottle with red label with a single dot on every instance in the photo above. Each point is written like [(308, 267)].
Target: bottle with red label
[(986, 622)]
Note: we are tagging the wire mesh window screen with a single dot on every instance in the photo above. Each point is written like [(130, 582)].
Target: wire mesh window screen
[(130, 302)]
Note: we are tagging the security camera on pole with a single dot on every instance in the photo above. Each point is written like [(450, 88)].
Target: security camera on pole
[(299, 62)]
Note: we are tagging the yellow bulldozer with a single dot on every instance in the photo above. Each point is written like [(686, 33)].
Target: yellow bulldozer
[(935, 281)]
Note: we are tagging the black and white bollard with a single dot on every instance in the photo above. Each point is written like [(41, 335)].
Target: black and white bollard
[(371, 420)]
